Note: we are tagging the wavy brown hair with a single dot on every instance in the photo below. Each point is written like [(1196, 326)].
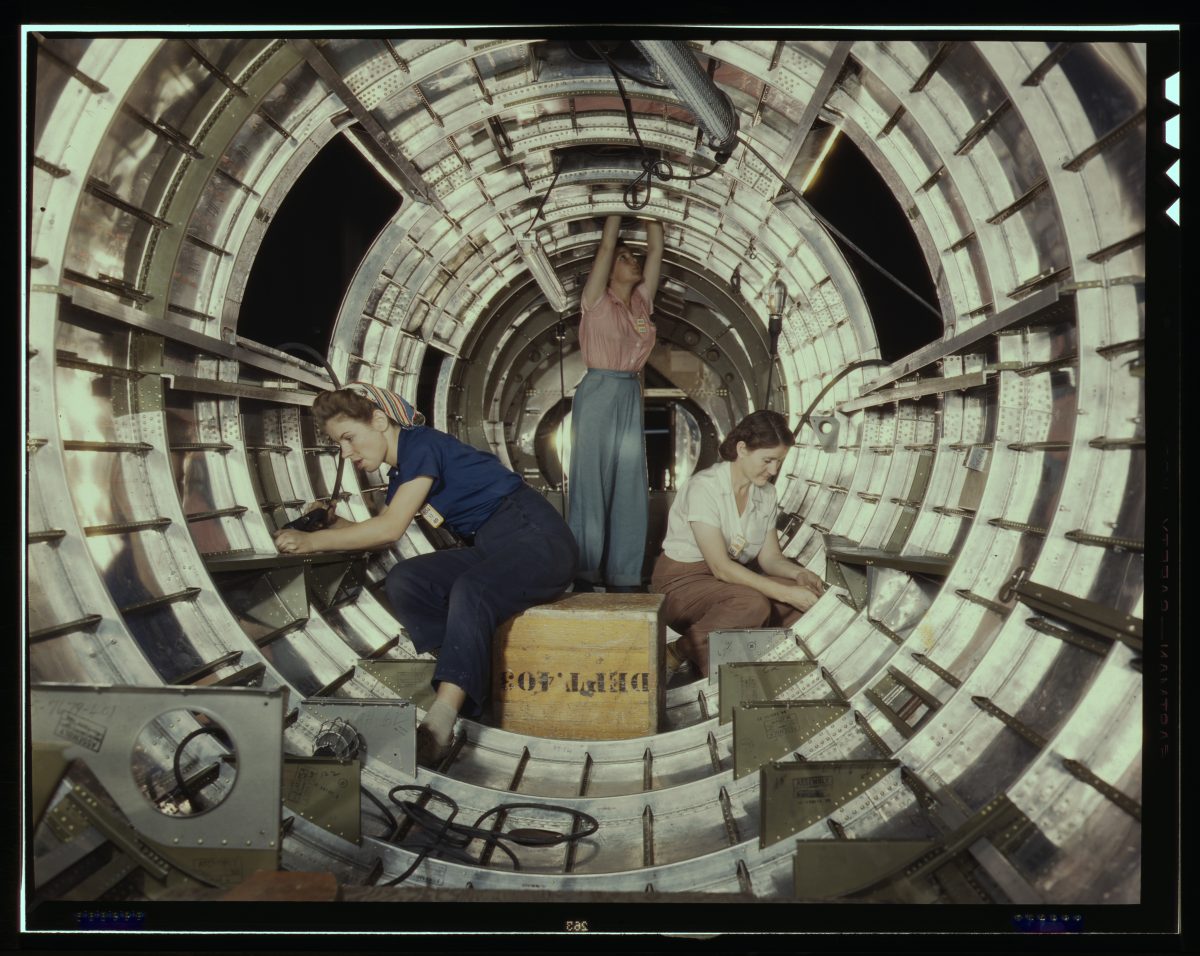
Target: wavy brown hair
[(342, 402), (761, 429)]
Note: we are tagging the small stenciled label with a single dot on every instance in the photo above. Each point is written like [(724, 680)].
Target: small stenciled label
[(309, 783), (572, 682), (811, 787), (81, 731)]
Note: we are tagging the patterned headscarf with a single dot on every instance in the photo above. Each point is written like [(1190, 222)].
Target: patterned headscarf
[(391, 404)]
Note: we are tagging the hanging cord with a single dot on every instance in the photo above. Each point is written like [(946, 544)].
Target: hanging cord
[(651, 165), (832, 382), (313, 353), (538, 214), (770, 375), (453, 838), (653, 84), (560, 333), (832, 228)]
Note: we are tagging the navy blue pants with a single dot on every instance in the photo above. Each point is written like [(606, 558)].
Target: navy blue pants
[(523, 555)]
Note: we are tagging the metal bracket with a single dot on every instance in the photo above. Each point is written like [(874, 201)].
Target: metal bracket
[(770, 729), (1096, 618), (409, 679), (735, 646), (826, 429), (101, 725), (326, 580), (325, 791), (794, 796), (741, 682), (387, 728), (48, 765)]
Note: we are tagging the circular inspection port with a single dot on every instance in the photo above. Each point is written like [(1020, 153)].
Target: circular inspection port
[(184, 762)]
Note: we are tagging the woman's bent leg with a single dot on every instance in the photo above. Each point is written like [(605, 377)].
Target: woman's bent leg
[(527, 556), (418, 589), (697, 604)]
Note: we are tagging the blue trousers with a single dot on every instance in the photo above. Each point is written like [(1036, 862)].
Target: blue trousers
[(609, 503), (454, 599)]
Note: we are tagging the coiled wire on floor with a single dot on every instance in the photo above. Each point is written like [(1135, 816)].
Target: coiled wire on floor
[(449, 840)]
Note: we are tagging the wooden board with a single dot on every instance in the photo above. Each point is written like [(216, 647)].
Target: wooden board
[(585, 667)]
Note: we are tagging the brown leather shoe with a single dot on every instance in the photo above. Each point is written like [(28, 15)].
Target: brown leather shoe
[(430, 753), (675, 660)]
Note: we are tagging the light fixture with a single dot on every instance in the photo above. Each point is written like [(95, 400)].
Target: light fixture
[(777, 298), (777, 303), (714, 110), (543, 272)]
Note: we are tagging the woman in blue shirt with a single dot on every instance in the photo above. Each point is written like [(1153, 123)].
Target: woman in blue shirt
[(522, 553)]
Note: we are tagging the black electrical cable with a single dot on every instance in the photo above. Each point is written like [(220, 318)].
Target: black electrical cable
[(832, 228), (560, 333), (651, 166), (538, 214), (653, 84), (309, 350), (828, 385), (448, 835), (408, 809), (183, 787), (391, 819)]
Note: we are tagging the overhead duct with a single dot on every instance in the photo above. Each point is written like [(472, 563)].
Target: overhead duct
[(712, 108)]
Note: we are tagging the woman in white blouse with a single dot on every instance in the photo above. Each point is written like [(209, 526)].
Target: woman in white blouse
[(721, 566)]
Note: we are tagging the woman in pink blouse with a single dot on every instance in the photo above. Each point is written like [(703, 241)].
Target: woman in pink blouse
[(608, 483)]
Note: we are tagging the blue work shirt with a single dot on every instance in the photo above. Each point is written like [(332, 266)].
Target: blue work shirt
[(468, 484)]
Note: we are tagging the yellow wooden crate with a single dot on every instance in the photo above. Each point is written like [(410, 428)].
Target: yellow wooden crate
[(585, 667)]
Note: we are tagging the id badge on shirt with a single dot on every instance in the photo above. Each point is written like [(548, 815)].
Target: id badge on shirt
[(430, 514), (737, 545)]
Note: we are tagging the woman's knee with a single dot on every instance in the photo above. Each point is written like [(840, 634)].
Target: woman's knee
[(748, 605), (403, 579)]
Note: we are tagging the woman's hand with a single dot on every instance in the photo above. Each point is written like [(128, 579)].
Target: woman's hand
[(294, 542), (801, 598), (807, 579)]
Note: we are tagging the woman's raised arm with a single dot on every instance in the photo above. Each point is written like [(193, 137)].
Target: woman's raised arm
[(654, 254), (597, 280)]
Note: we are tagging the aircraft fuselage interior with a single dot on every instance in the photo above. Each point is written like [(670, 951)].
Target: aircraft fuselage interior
[(928, 252)]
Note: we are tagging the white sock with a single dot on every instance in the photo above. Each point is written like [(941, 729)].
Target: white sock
[(439, 721)]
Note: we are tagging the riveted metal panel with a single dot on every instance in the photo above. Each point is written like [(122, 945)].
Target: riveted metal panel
[(794, 796), (742, 682), (408, 679), (102, 724), (325, 791), (728, 646), (767, 730)]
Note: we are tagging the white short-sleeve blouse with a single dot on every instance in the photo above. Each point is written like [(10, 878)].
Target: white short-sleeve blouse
[(707, 497)]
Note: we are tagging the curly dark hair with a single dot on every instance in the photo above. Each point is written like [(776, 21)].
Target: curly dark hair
[(761, 429)]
